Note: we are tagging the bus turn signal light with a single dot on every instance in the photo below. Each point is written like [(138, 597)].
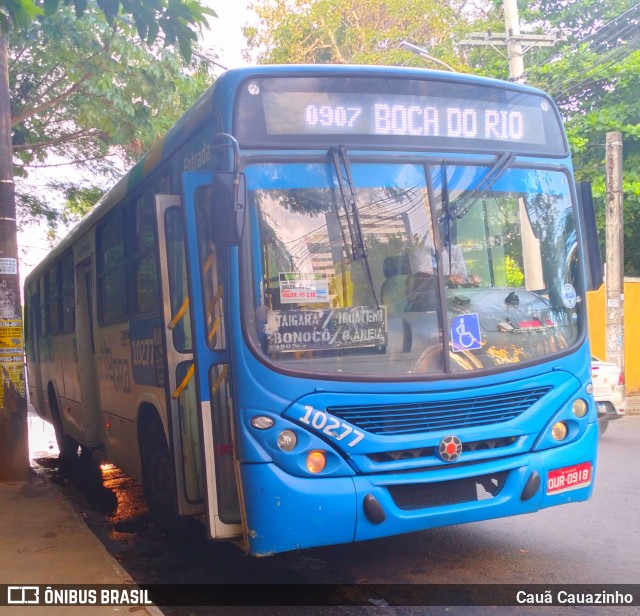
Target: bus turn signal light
[(316, 461)]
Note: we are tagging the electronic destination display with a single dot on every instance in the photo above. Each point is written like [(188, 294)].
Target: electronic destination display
[(393, 114), (335, 110)]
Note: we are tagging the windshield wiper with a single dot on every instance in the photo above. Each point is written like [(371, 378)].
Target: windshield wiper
[(348, 194), (464, 203)]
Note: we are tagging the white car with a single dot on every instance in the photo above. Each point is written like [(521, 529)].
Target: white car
[(609, 392)]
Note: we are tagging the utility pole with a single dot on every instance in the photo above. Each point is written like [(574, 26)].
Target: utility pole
[(614, 281), (14, 449), (516, 43)]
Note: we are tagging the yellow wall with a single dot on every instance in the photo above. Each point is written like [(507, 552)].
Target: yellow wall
[(596, 304)]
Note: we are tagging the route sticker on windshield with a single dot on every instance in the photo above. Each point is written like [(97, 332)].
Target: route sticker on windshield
[(465, 333), (569, 296), (297, 288)]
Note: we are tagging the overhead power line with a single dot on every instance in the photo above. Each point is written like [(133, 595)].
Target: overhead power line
[(611, 43)]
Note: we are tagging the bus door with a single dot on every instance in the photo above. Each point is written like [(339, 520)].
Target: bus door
[(199, 396)]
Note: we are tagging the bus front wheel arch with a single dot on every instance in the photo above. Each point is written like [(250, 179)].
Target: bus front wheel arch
[(158, 479)]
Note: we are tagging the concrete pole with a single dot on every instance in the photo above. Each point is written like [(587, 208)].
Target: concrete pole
[(614, 281), (514, 47), (14, 448)]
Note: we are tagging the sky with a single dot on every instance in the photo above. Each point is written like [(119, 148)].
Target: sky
[(225, 35)]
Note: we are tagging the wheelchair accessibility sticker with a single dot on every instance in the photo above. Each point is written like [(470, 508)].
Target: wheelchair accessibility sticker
[(465, 332)]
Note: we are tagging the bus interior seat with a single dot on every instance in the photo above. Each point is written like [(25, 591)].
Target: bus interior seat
[(422, 293)]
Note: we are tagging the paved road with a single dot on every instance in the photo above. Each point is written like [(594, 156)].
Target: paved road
[(597, 542)]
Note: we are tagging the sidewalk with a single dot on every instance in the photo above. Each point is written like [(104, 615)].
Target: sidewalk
[(43, 540)]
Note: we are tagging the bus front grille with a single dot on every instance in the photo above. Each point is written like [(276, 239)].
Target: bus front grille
[(409, 418), (414, 496)]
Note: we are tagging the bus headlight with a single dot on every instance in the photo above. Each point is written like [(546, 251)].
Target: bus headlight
[(559, 431), (287, 440), (579, 407), (316, 461)]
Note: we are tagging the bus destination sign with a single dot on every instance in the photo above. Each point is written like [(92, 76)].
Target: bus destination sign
[(407, 116), (326, 329), (429, 113)]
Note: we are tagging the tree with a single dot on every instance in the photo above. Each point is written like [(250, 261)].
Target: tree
[(595, 79), (346, 32), (178, 20), (82, 102)]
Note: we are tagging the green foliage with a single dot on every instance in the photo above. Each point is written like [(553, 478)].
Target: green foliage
[(84, 92), (347, 32), (17, 13), (595, 79), (179, 20), (515, 275)]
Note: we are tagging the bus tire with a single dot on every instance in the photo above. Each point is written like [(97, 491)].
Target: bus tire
[(67, 446), (157, 476)]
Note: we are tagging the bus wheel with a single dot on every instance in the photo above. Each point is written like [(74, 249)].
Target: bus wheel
[(157, 476), (67, 446)]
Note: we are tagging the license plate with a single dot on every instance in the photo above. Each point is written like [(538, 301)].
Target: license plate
[(569, 478)]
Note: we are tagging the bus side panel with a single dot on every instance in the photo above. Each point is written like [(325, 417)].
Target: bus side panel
[(119, 407), (64, 349), (50, 372)]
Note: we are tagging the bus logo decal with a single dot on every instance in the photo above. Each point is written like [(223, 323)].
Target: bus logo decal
[(450, 448)]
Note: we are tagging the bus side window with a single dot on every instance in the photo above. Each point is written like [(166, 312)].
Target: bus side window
[(112, 270), (212, 268), (51, 301), (178, 288), (144, 268), (67, 297)]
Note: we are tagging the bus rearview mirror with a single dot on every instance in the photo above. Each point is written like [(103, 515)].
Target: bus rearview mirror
[(593, 257), (228, 196)]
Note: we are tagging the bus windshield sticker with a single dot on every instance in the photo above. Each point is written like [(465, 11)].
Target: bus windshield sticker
[(569, 296), (465, 333), (321, 330), (299, 288)]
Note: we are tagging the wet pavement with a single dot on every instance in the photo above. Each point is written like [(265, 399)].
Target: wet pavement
[(112, 504)]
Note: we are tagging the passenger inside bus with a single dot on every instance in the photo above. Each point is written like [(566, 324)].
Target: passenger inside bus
[(410, 283)]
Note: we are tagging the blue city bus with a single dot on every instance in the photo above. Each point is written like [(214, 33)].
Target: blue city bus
[(334, 303)]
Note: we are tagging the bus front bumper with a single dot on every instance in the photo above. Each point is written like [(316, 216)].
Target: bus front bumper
[(286, 513)]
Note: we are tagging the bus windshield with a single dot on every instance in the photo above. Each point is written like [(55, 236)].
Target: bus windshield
[(387, 270)]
